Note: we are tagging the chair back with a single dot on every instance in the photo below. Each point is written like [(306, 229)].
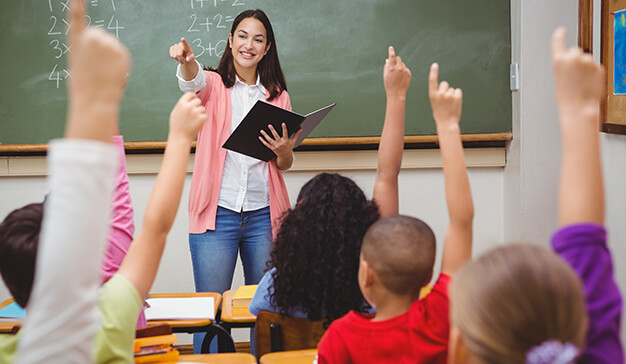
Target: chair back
[(276, 332)]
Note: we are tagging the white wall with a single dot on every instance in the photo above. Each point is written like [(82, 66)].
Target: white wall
[(421, 191), (533, 157), (614, 159)]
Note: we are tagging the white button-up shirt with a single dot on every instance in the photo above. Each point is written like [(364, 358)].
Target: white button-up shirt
[(245, 180)]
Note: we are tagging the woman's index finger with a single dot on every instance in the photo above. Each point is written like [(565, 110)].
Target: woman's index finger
[(186, 46)]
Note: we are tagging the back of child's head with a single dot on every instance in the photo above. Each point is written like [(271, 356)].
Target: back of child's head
[(510, 301), (19, 240), (401, 250), (316, 251)]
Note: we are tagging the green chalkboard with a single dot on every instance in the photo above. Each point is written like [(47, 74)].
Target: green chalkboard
[(330, 50)]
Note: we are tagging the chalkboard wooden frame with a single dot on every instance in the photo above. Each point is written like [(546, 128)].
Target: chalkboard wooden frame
[(486, 140)]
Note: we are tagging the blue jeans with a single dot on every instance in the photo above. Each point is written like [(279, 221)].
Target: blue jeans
[(214, 253)]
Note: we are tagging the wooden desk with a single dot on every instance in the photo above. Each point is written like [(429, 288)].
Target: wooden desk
[(232, 358), (7, 327), (225, 342), (290, 357)]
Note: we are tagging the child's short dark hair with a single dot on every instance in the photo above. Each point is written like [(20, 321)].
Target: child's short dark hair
[(19, 240), (401, 250)]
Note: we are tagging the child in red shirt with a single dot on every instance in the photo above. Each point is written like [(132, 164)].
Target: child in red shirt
[(397, 259)]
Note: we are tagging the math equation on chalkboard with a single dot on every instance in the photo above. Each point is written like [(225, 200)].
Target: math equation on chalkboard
[(141, 24)]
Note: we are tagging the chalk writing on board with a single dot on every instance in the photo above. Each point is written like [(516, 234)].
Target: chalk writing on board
[(204, 25), (218, 23), (206, 22), (201, 49), (199, 4), (59, 27)]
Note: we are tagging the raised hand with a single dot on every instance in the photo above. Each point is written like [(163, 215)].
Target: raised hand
[(396, 75), (187, 117), (142, 261), (182, 52), (579, 81), (99, 64), (445, 101), (580, 86)]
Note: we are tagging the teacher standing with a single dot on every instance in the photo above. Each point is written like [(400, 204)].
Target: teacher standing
[(234, 199)]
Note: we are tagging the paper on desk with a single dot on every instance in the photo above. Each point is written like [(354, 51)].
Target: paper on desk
[(180, 308)]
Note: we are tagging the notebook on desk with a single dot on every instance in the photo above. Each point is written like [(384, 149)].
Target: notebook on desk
[(180, 308)]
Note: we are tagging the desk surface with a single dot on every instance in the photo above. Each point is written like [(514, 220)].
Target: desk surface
[(291, 357), (232, 358), (234, 315), (7, 327), (187, 323)]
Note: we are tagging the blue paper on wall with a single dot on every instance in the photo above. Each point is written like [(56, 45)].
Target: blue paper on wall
[(619, 53)]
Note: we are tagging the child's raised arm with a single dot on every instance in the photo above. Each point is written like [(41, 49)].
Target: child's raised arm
[(581, 240), (62, 318), (142, 261), (397, 78), (579, 83), (446, 103)]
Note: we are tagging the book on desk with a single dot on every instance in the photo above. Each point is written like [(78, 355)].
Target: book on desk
[(241, 300)]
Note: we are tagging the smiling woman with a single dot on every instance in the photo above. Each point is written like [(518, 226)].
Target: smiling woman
[(235, 199)]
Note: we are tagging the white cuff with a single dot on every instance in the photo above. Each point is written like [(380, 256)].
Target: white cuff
[(194, 85)]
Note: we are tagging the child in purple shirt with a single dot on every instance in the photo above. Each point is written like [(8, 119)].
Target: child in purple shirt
[(581, 239), (584, 247)]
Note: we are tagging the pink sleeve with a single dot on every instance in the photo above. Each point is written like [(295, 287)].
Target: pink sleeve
[(122, 223), (211, 79)]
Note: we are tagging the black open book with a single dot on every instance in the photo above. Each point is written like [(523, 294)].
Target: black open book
[(245, 139)]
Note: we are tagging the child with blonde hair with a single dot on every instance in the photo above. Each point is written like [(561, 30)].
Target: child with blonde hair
[(524, 304)]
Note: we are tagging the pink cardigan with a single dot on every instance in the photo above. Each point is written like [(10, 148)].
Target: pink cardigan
[(210, 156)]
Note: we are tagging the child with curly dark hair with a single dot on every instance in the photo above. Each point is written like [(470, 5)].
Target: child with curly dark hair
[(315, 257)]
